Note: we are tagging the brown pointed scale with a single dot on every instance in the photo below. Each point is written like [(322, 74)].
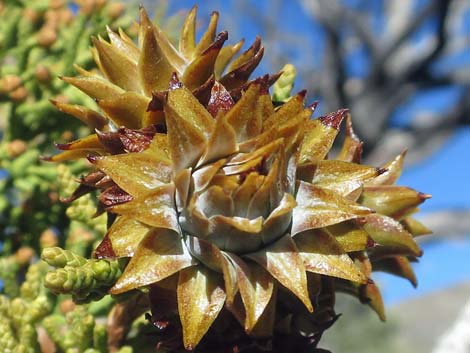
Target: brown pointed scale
[(186, 141), (216, 260), (240, 117), (123, 43), (91, 118), (371, 295), (125, 235), (127, 109), (282, 260), (351, 149), (415, 227), (156, 208), (264, 328), (202, 67), (350, 236), (317, 208), (188, 107), (320, 135), (322, 254), (136, 173), (399, 266), (81, 71), (256, 289), (159, 255), (287, 111), (290, 131), (338, 176), (222, 141), (168, 49), (392, 173), (118, 68), (154, 69), (225, 55), (89, 143), (391, 235), (220, 100), (265, 151), (200, 299), (187, 42), (67, 156), (390, 200), (246, 56), (236, 79), (208, 36), (95, 87)]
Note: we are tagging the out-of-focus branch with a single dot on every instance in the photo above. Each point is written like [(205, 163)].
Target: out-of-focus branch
[(399, 68)]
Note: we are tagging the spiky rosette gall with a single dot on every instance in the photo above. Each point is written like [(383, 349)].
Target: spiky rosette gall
[(229, 205)]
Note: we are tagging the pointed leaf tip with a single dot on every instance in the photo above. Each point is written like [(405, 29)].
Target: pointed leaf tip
[(334, 119)]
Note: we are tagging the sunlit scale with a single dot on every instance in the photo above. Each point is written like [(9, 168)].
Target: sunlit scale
[(233, 204)]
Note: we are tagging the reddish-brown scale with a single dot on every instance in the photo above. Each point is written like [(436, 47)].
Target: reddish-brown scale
[(220, 100), (113, 196), (111, 142), (203, 92), (105, 249), (264, 84), (312, 106), (334, 119), (218, 42), (105, 182), (255, 46), (63, 146), (237, 92), (136, 140), (371, 243), (92, 158), (79, 192), (175, 82), (92, 178), (424, 196), (301, 94), (381, 171), (161, 128), (238, 76), (157, 101)]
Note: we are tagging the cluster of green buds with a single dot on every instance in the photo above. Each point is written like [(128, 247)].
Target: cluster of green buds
[(33, 320), (40, 39), (86, 279), (22, 308)]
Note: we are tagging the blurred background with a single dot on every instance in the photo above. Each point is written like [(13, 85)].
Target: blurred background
[(403, 69)]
